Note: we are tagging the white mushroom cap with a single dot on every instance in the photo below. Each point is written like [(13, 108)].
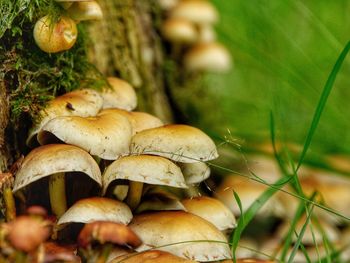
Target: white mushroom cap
[(107, 135), (52, 36), (152, 256), (139, 120), (146, 169), (178, 30), (211, 210), (89, 10), (165, 229), (122, 95), (212, 57), (196, 11), (55, 158), (180, 143), (195, 173), (84, 103), (97, 209)]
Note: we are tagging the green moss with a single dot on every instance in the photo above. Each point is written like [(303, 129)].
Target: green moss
[(32, 76)]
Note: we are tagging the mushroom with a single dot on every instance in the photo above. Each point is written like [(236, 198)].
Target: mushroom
[(196, 11), (195, 173), (54, 160), (167, 4), (182, 234), (121, 95), (179, 31), (83, 102), (107, 135), (180, 143), (55, 36), (82, 11), (53, 252), (204, 57), (211, 210), (152, 256), (141, 169), (97, 209), (6, 182)]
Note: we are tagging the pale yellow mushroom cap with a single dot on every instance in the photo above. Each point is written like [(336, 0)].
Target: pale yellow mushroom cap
[(167, 4), (195, 173), (122, 95), (211, 210), (55, 158), (160, 229), (181, 143), (146, 169), (196, 11), (97, 209), (178, 30), (208, 57), (107, 135), (84, 103), (81, 11), (53, 37)]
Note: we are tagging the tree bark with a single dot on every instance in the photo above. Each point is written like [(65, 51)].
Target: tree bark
[(126, 44), (4, 120)]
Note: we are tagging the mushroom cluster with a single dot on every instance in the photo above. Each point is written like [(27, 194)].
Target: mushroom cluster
[(189, 28), (117, 176), (323, 227), (54, 35)]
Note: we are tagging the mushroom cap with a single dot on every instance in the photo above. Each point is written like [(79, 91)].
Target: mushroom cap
[(182, 234), (248, 260), (107, 135), (206, 34), (195, 173), (88, 10), (104, 231), (330, 231), (139, 120), (167, 4), (146, 169), (122, 95), (151, 256), (55, 158), (97, 209), (211, 210), (248, 191), (180, 143), (179, 30), (55, 37), (58, 253), (26, 233), (196, 11), (212, 57), (83, 102)]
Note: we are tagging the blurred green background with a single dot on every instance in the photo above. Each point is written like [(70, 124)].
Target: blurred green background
[(283, 52)]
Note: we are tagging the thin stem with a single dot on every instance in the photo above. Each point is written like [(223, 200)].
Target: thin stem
[(134, 195), (9, 204)]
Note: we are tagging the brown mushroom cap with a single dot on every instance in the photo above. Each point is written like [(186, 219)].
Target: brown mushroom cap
[(146, 169), (104, 231), (152, 256), (26, 233), (88, 10), (212, 57), (182, 234), (55, 158), (55, 37), (58, 253), (211, 210), (107, 135), (97, 209), (196, 11), (180, 143), (139, 120), (122, 95), (84, 103)]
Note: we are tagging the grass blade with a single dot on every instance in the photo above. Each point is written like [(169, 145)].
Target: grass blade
[(322, 102)]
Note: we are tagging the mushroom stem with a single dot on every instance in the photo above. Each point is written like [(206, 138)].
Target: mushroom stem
[(57, 192), (106, 250), (134, 194), (9, 204)]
